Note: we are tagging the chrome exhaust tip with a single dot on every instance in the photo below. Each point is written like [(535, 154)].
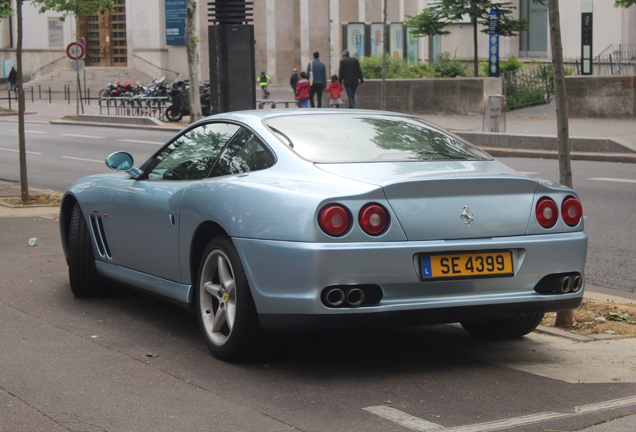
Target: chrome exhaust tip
[(355, 296), (564, 284), (335, 297)]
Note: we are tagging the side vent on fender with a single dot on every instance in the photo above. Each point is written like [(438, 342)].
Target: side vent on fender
[(100, 237)]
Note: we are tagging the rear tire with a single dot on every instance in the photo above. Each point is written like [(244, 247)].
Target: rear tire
[(83, 277), (504, 328), (225, 308)]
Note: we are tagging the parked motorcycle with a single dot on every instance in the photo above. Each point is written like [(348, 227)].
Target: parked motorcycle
[(116, 89), (180, 98)]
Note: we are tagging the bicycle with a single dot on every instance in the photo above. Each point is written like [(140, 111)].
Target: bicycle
[(265, 93)]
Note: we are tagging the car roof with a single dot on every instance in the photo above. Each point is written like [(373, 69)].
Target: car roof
[(262, 114)]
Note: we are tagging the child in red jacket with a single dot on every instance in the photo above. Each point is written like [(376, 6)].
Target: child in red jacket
[(334, 88), (302, 90)]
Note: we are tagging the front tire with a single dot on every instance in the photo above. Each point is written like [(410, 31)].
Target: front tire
[(225, 308), (83, 277), (504, 328)]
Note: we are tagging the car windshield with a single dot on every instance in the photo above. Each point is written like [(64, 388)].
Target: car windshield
[(331, 138)]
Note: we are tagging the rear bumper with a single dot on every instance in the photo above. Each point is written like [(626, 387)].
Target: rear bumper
[(287, 279), (294, 322)]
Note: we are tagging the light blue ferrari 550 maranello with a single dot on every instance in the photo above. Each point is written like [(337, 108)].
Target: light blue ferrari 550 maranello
[(274, 220)]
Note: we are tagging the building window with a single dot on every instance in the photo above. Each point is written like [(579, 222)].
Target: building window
[(534, 41)]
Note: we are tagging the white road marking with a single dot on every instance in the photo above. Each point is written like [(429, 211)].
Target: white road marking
[(610, 179), (529, 173), (417, 424), (29, 131), (82, 136), (404, 419), (141, 142), (81, 159), (16, 151)]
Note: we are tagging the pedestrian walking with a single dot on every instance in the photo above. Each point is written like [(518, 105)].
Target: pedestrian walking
[(334, 88), (317, 75), (350, 75), (293, 79), (302, 90), (13, 78)]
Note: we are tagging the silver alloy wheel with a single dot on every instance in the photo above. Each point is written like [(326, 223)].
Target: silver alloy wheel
[(217, 298)]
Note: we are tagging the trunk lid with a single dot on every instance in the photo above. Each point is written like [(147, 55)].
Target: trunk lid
[(450, 199)]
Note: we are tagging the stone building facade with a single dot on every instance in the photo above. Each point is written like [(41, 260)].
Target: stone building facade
[(143, 35)]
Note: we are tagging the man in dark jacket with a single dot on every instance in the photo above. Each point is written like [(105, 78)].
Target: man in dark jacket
[(350, 74), (317, 75), (13, 78)]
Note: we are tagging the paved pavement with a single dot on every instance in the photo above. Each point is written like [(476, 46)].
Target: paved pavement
[(602, 357)]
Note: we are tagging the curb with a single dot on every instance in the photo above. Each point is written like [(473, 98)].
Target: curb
[(553, 331), (119, 126), (551, 154)]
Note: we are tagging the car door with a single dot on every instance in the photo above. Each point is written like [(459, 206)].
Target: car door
[(144, 214)]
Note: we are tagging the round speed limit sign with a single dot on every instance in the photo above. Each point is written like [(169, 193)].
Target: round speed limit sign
[(75, 51)]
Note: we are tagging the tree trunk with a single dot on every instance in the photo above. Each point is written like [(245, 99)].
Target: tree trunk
[(475, 50), (384, 54), (193, 70), (24, 183), (566, 318)]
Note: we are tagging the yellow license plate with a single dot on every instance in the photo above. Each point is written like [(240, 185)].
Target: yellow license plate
[(477, 264)]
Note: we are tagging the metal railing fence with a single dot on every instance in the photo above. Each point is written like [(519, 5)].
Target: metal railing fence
[(528, 86)]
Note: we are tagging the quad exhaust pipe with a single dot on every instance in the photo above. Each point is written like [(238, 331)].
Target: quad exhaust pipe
[(561, 284), (566, 284), (344, 296)]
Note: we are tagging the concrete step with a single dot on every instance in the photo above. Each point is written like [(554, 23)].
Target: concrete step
[(93, 78)]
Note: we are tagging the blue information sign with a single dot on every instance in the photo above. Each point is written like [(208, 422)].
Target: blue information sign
[(493, 46), (175, 22)]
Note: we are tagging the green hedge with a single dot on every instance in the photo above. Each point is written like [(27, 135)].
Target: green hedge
[(444, 67)]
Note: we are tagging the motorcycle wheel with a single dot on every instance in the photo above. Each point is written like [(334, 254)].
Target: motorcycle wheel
[(173, 114)]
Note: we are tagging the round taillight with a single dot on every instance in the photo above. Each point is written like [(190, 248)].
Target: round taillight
[(373, 219), (333, 219), (547, 212), (571, 211)]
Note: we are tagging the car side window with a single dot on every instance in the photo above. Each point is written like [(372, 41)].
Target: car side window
[(244, 154), (192, 155)]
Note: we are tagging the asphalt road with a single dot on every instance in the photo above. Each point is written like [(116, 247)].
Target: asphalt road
[(59, 155)]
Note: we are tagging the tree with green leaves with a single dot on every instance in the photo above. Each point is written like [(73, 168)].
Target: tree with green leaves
[(432, 20)]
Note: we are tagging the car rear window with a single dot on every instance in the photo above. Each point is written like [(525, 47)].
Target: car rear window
[(331, 138)]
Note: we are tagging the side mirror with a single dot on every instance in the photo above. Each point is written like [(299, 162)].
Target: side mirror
[(123, 161)]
